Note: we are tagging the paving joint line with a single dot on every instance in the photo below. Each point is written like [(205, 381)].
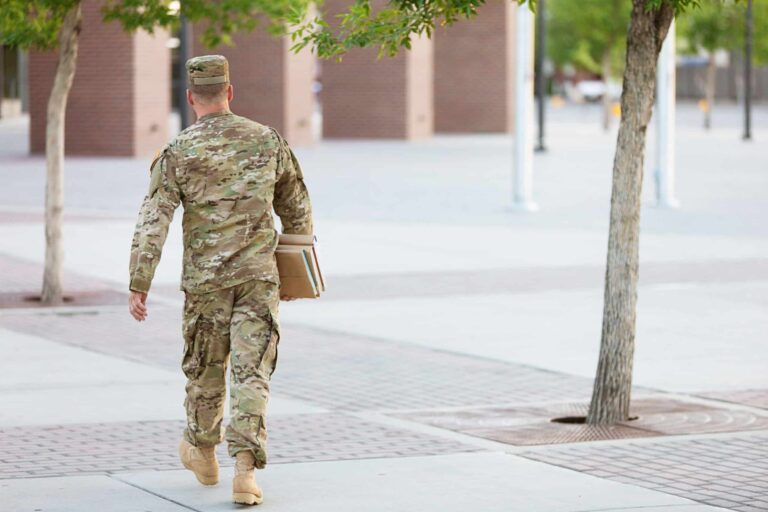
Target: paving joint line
[(695, 398), (90, 349), (421, 428), (112, 476)]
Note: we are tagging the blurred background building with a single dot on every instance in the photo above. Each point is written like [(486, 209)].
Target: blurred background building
[(125, 91)]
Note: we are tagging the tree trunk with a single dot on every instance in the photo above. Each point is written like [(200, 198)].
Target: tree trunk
[(607, 100), (709, 90), (54, 156), (613, 382)]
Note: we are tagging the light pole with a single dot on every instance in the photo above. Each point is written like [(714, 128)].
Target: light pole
[(181, 85), (748, 73), (539, 72), (665, 124), (522, 180)]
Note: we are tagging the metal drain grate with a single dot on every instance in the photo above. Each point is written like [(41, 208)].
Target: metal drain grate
[(558, 433), (532, 425)]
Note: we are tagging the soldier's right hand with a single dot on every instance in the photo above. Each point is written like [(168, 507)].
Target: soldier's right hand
[(137, 305)]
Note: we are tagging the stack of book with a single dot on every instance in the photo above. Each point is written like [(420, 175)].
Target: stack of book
[(299, 270)]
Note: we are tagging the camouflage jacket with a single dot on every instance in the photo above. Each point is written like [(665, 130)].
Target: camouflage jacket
[(228, 172)]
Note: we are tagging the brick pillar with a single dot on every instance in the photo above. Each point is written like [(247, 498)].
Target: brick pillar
[(366, 97), (474, 72), (272, 85), (120, 98)]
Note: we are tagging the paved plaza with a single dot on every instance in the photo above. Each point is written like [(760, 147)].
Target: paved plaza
[(453, 331)]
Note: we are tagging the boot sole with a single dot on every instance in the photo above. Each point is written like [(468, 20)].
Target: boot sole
[(207, 480), (246, 498)]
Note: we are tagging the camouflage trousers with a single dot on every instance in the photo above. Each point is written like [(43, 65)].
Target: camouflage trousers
[(237, 324)]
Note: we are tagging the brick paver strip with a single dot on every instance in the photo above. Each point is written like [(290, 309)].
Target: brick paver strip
[(22, 278), (112, 447), (336, 371), (728, 471)]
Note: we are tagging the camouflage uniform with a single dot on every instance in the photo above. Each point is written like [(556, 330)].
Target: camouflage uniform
[(228, 172)]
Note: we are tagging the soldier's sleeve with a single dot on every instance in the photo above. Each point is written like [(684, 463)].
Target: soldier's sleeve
[(291, 196), (155, 216)]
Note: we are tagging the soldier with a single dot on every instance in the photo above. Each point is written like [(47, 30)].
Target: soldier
[(228, 172)]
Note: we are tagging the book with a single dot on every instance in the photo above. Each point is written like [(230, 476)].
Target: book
[(298, 266)]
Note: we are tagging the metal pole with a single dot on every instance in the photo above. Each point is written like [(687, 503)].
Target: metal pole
[(748, 73), (665, 124), (540, 79), (23, 80), (181, 85), (522, 182), (2, 78)]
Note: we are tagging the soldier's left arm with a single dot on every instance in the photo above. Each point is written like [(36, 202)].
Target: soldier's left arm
[(155, 217), (291, 199)]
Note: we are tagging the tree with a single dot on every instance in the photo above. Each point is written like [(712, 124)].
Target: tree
[(392, 27), (36, 24), (719, 25), (49, 24), (590, 35)]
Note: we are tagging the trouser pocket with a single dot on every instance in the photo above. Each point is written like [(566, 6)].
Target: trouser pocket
[(270, 355), (191, 361)]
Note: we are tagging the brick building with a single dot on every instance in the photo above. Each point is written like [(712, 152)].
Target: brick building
[(119, 102), (460, 81)]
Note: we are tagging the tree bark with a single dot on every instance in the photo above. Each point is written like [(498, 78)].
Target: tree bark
[(607, 100), (54, 156), (613, 381), (709, 90)]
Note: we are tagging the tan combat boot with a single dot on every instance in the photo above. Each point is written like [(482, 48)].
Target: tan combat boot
[(245, 490), (201, 461)]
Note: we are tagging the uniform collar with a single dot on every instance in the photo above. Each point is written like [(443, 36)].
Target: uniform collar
[(224, 112)]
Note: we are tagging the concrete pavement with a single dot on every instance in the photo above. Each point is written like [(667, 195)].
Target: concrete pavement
[(442, 304)]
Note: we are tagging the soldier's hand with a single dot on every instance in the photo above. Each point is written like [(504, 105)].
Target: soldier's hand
[(287, 298), (137, 305)]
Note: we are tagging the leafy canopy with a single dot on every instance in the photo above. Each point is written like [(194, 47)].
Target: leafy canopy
[(32, 23), (390, 28), (584, 33), (35, 23), (720, 25)]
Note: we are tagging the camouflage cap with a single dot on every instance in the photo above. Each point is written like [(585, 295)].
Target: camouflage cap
[(208, 70)]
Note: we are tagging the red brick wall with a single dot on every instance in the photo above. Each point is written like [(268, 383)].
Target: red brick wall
[(370, 98), (119, 101), (473, 90)]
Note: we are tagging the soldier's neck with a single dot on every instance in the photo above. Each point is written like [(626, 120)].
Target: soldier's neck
[(204, 110)]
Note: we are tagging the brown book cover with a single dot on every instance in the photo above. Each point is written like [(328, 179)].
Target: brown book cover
[(296, 279), (298, 266)]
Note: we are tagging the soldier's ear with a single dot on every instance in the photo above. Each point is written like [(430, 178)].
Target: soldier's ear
[(190, 99), (230, 92)]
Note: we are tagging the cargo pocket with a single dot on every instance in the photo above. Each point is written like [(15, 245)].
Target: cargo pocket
[(269, 361), (191, 358)]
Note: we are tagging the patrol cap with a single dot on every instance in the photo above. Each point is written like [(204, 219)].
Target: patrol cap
[(208, 70)]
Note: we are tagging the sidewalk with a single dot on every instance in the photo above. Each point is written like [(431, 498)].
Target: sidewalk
[(426, 379)]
